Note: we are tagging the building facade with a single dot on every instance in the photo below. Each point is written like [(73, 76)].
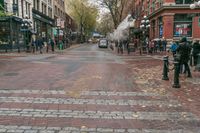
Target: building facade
[(11, 36), (60, 20), (169, 19), (43, 18)]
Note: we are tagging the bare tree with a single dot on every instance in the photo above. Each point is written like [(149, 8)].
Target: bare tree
[(116, 9)]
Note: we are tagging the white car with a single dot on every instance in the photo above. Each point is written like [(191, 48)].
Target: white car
[(103, 43)]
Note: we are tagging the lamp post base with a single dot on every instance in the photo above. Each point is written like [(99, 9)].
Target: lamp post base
[(176, 86)]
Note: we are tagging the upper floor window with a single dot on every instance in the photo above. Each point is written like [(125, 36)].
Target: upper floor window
[(50, 2), (184, 1)]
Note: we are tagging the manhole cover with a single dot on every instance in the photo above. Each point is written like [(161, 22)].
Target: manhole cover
[(10, 74)]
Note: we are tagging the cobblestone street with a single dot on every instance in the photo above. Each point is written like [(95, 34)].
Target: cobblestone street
[(88, 90)]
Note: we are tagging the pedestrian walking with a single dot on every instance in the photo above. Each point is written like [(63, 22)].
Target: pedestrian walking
[(164, 44), (33, 45), (184, 51), (160, 45), (156, 46), (52, 45), (196, 51), (151, 47), (40, 44), (48, 45), (173, 48)]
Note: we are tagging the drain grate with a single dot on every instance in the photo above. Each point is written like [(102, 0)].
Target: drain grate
[(10, 74)]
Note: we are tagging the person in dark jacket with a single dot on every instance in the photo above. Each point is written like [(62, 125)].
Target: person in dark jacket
[(52, 45), (40, 43), (184, 51), (196, 51)]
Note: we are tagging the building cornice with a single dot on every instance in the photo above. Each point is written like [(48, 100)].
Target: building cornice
[(172, 7), (51, 20)]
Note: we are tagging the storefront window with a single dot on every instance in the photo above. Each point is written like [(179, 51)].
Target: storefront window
[(160, 23), (182, 25), (184, 1), (4, 33)]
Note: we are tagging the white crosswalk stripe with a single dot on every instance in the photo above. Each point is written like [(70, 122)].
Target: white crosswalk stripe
[(36, 129), (177, 116), (80, 113), (83, 93), (170, 103)]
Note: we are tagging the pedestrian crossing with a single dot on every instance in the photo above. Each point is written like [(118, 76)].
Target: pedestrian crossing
[(87, 93), (121, 102), (83, 129), (85, 119)]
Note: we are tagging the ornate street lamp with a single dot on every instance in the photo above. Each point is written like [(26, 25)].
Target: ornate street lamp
[(144, 26), (195, 5), (26, 26)]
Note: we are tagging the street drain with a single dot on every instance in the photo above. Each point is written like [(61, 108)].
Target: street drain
[(10, 74)]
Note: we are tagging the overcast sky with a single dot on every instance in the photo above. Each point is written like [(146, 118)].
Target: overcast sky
[(101, 9)]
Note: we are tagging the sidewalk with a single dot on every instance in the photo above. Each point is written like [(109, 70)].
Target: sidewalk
[(23, 53), (150, 73)]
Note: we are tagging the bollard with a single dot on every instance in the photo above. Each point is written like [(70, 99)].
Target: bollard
[(18, 49), (165, 68), (198, 63), (176, 75)]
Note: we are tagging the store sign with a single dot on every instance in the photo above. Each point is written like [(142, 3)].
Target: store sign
[(58, 22), (43, 34), (61, 33), (183, 29), (62, 24)]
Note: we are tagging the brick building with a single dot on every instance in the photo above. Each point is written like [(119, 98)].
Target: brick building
[(170, 19), (129, 8)]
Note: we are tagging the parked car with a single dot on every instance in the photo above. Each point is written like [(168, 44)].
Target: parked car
[(103, 43)]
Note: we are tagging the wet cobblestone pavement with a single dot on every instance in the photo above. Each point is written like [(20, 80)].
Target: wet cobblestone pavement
[(92, 90)]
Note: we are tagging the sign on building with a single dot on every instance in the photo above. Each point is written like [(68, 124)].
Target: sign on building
[(58, 22), (61, 33), (62, 24)]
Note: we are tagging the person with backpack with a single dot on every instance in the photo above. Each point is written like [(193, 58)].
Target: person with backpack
[(173, 48), (184, 51), (40, 44)]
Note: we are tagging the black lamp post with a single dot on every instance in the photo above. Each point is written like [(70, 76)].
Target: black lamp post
[(144, 26), (26, 27)]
